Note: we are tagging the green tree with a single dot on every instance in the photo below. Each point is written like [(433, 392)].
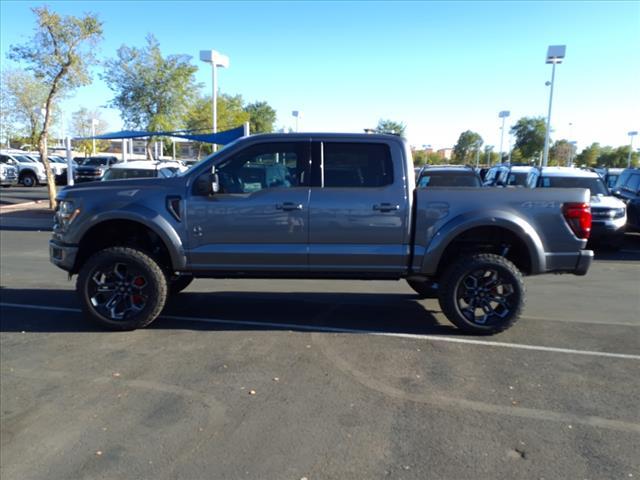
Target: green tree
[(58, 56), (616, 157), (420, 157), (588, 157), (231, 113), (529, 133), (391, 127), (152, 92), (262, 117), (23, 99), (81, 127), (466, 147), (561, 153)]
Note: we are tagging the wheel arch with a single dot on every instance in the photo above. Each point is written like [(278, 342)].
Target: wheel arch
[(157, 238), (488, 231)]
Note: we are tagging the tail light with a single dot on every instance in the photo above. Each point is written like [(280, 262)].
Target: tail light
[(578, 216)]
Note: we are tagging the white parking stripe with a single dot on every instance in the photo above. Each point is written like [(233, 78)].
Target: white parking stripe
[(319, 328)]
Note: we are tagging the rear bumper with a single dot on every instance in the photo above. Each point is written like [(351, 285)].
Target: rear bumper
[(577, 263), (63, 256)]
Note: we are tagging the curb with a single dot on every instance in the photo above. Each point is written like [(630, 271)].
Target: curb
[(23, 206)]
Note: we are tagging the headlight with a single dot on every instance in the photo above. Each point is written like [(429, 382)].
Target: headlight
[(617, 212), (67, 212)]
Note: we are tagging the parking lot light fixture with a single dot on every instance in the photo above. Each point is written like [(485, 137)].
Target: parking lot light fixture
[(503, 114), (555, 55), (93, 135), (298, 115), (631, 135), (216, 59)]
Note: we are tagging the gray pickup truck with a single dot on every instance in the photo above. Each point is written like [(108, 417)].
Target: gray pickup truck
[(335, 206)]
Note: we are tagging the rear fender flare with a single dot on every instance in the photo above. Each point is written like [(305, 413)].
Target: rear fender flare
[(467, 221)]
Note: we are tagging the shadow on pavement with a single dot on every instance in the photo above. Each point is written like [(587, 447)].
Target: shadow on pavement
[(393, 313)]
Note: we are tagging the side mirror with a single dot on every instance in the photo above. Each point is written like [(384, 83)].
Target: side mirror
[(615, 192), (207, 184), (215, 180)]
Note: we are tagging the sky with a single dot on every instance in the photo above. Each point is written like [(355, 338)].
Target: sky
[(438, 67)]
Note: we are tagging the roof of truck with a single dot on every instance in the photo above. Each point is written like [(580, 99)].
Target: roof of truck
[(568, 172)]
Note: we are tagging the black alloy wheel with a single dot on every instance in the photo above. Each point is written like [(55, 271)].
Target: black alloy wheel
[(482, 293), (122, 288)]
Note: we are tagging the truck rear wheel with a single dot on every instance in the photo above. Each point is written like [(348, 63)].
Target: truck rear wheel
[(482, 293), (122, 288)]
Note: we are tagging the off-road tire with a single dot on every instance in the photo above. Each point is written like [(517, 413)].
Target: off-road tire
[(179, 283), (139, 263), (467, 269), (423, 289)]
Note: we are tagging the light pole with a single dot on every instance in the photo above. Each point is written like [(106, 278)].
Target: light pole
[(489, 148), (572, 152), (503, 114), (555, 55), (216, 60), (298, 115), (93, 136), (631, 135), (478, 145)]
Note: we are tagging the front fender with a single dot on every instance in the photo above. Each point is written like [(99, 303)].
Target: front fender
[(469, 220), (145, 216)]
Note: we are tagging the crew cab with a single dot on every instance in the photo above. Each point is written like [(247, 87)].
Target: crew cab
[(340, 206)]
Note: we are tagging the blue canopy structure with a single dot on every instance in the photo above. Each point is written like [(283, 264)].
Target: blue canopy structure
[(220, 138)]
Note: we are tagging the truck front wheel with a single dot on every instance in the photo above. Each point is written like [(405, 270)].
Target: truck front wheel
[(122, 288), (482, 293)]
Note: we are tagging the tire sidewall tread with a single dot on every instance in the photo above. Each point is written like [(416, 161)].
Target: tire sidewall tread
[(156, 277), (454, 274)]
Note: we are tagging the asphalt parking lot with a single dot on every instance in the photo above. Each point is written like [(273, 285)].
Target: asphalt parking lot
[(276, 379)]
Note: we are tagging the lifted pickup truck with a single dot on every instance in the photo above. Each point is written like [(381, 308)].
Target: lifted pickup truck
[(336, 206)]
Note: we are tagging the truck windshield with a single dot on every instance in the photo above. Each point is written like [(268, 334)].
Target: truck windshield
[(595, 185), (95, 162), (124, 173)]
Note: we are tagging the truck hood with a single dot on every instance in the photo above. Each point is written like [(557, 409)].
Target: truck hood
[(123, 187), (600, 201)]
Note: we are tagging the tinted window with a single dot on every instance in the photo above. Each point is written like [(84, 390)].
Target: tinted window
[(122, 173), (363, 165), (273, 165), (633, 185), (611, 180), (595, 185), (95, 162), (448, 179), (517, 178)]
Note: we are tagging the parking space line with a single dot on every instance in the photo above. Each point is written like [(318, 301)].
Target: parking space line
[(319, 328)]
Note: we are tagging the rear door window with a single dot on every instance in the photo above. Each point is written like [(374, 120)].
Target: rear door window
[(356, 165)]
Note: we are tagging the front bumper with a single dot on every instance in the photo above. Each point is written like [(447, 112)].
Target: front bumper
[(8, 182), (63, 256), (577, 263), (607, 230)]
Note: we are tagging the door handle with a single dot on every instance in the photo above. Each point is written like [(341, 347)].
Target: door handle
[(386, 207), (288, 206)]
